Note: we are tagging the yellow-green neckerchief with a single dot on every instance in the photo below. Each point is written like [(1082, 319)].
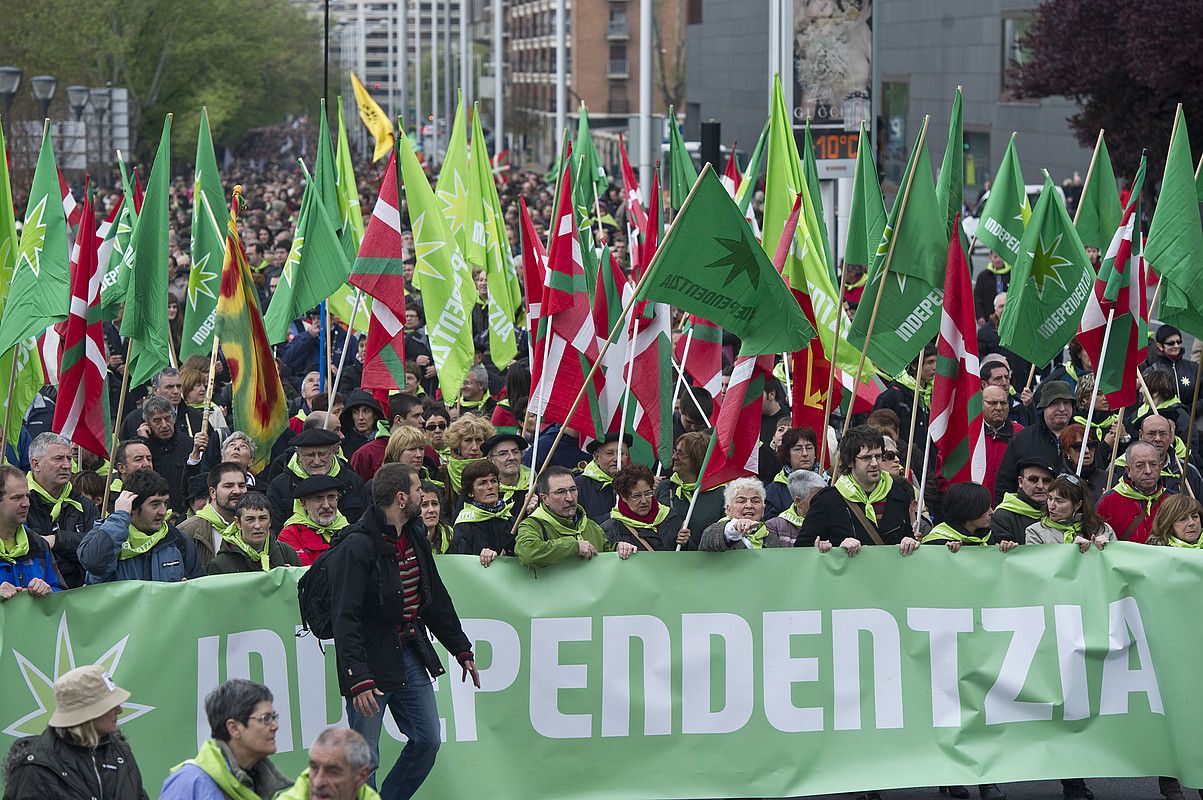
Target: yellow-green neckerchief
[(524, 476), (1069, 530), (473, 405), (859, 282), (791, 515), (1003, 270), (213, 763), (575, 529), (227, 530), (300, 790), (782, 476), (474, 513), (946, 533), (755, 538), (455, 471), (661, 515), (294, 466), (1071, 370), (443, 536), (19, 548), (139, 542), (1101, 427), (904, 378), (1174, 541), (592, 470), (1016, 505), (325, 531), (261, 557), (1143, 408), (681, 489), (56, 503), (1125, 489), (852, 491), (384, 429), (426, 477)]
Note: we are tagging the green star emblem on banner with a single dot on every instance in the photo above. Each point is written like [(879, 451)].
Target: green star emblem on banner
[(1046, 263)]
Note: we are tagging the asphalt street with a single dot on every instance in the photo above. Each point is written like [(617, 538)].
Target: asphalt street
[(1103, 788)]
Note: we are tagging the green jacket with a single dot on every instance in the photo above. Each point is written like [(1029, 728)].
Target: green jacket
[(544, 539)]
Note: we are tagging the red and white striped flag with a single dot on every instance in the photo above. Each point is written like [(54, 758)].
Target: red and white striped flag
[(636, 215), (736, 439), (704, 361), (956, 400)]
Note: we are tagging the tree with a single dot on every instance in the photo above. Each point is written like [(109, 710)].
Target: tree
[(1127, 63)]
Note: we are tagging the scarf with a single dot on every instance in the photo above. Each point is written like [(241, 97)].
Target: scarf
[(791, 515), (649, 521), (325, 531), (213, 762), (227, 530), (300, 790), (755, 539), (946, 533), (384, 429), (1101, 427), (575, 528), (592, 470), (858, 283), (56, 503), (852, 491), (455, 471), (904, 379), (443, 535), (1003, 270), (19, 547), (472, 405), (1176, 542), (1162, 406), (782, 477), (682, 490), (1070, 530), (524, 475), (294, 466), (475, 512), (1125, 489), (1016, 505), (139, 542), (260, 557)]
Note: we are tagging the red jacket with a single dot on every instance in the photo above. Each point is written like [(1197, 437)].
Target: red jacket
[(369, 458), (308, 544), (996, 445), (1129, 517)]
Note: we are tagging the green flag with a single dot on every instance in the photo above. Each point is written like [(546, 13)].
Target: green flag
[(489, 249), (208, 249), (447, 287), (747, 185), (1050, 283), (804, 268), (316, 266), (38, 294), (1175, 244), (950, 186), (810, 170), (711, 265), (589, 173), (116, 255), (908, 271), (1000, 226), (1099, 210), (145, 319), (681, 172), (342, 303), (867, 214), (325, 171), (452, 186), (8, 225)]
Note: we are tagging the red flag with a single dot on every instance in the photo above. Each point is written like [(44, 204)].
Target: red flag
[(72, 210), (636, 216), (79, 412), (736, 439), (534, 268), (651, 231), (704, 360), (377, 268), (384, 357), (956, 400), (732, 177)]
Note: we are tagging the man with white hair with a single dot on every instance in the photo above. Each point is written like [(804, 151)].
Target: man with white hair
[(474, 393), (57, 512), (340, 762), (743, 526)]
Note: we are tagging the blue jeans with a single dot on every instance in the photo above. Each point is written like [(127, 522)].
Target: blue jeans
[(414, 710)]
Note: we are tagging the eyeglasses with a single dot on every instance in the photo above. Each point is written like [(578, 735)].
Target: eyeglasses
[(1036, 479), (563, 492), (1174, 343), (270, 718), (436, 426), (642, 495), (869, 459)]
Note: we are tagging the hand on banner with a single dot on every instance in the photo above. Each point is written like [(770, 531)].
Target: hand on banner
[(625, 550), (850, 546), (8, 591), (1084, 544), (365, 702), (39, 588), (823, 545), (487, 556), (585, 550), (1007, 544), (954, 546), (908, 545)]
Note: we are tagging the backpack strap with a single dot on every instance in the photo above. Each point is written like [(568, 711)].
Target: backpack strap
[(1141, 516)]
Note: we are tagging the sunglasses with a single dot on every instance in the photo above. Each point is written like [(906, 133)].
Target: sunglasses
[(1174, 343), (889, 455), (436, 426)]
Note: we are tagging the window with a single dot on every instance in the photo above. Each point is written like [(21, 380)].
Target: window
[(893, 139), (1013, 54), (977, 164), (693, 12)]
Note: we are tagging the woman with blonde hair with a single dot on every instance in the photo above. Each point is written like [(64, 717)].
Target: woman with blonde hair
[(464, 439), (1177, 523)]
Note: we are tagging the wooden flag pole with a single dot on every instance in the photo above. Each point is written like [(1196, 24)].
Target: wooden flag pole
[(1094, 392), (1098, 143), (618, 323), (1118, 429), (1144, 388), (885, 268), (108, 486), (342, 358), (693, 499), (208, 406), (835, 348), (910, 432)]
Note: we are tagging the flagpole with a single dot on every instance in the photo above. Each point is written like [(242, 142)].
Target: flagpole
[(835, 347), (885, 268), (910, 432), (1094, 392), (1144, 388), (693, 500), (8, 406), (922, 482), (618, 324), (209, 388), (1098, 143), (129, 353), (1119, 421), (538, 390), (342, 359), (680, 381), (626, 392)]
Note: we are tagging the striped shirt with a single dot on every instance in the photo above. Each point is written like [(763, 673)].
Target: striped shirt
[(407, 563)]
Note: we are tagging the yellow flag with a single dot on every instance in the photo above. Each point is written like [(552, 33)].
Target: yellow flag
[(374, 118)]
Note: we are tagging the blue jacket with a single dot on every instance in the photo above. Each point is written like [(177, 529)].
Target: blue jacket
[(171, 560), (38, 563), (190, 782)]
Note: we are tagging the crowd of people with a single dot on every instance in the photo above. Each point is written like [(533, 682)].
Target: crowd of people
[(386, 485)]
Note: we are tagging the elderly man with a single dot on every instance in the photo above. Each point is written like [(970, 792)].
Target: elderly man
[(175, 456), (314, 525), (1040, 440), (595, 489), (57, 512), (559, 528), (310, 388), (474, 394), (998, 427), (26, 564), (340, 761), (135, 542), (803, 486), (865, 506), (315, 455), (215, 523), (1026, 504), (168, 386), (1129, 508), (1159, 431), (743, 528), (505, 451), (250, 547), (996, 371)]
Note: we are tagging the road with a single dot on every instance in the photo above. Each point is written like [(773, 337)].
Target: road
[(1103, 788)]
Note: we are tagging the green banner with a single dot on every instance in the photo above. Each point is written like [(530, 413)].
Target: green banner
[(742, 674)]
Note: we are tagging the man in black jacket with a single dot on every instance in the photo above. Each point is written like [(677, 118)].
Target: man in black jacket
[(58, 513), (1040, 440), (865, 506), (315, 455), (175, 454), (389, 591)]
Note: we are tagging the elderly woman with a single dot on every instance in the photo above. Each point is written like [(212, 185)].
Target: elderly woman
[(640, 519), (438, 531), (240, 449), (1070, 517), (798, 451), (194, 384), (482, 527), (63, 761), (234, 763), (464, 439), (743, 527), (803, 485), (678, 490)]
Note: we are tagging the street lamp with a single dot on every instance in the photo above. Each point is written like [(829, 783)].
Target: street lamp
[(43, 87), (102, 99), (10, 81), (77, 100)]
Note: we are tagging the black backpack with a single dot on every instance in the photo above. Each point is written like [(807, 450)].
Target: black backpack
[(313, 596)]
